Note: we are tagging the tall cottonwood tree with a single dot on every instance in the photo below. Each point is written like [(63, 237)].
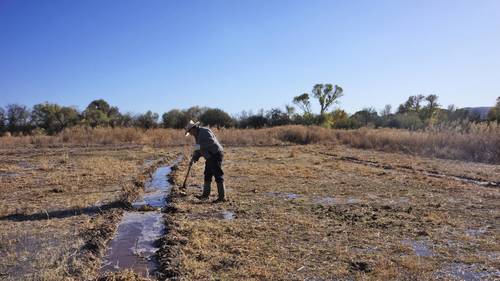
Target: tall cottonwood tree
[(327, 94)]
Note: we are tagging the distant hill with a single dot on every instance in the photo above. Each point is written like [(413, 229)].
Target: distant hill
[(482, 111)]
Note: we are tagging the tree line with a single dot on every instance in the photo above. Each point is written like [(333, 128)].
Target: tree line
[(417, 112)]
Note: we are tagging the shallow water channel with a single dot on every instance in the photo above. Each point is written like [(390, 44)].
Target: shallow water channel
[(135, 243)]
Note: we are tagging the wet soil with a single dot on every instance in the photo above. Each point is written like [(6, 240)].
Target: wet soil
[(136, 241)]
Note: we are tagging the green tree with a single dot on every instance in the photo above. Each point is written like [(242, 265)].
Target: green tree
[(175, 119), (100, 105), (95, 118), (256, 121), (100, 113), (413, 104), (327, 94), (53, 118), (277, 117), (3, 120), (409, 121), (366, 116), (339, 119), (431, 108), (194, 113), (216, 117), (303, 102), (432, 101), (494, 113), (290, 110), (126, 120), (18, 118), (147, 120)]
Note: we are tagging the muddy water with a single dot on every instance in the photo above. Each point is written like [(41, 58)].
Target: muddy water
[(222, 215), (420, 248), (285, 195), (227, 215), (135, 243), (329, 201), (156, 190)]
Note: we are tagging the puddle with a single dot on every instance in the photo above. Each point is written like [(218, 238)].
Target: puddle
[(467, 272), (134, 245), (223, 215), (329, 201), (9, 174), (492, 256), (228, 215), (285, 195), (420, 248), (26, 165), (476, 232), (351, 200), (403, 200)]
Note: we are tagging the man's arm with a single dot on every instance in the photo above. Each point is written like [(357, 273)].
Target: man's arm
[(196, 153)]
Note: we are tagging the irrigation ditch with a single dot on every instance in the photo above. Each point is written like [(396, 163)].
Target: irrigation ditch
[(136, 242)]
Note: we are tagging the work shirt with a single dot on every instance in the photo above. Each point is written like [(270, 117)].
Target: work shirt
[(208, 143)]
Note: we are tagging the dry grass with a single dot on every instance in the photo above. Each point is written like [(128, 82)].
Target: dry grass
[(59, 206), (286, 228), (304, 215), (479, 143)]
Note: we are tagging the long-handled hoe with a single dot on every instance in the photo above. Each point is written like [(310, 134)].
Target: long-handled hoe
[(187, 174)]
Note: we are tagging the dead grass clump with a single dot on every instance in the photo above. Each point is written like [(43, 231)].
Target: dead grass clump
[(85, 135), (244, 137), (305, 135), (164, 137), (479, 142)]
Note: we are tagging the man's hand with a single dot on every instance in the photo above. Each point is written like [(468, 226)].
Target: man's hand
[(196, 156)]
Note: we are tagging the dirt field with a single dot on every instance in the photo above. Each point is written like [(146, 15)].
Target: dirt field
[(295, 213), (60, 206), (324, 213)]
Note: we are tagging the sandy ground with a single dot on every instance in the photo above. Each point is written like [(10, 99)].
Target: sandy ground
[(328, 213)]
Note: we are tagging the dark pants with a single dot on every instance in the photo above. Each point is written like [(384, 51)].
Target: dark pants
[(213, 168)]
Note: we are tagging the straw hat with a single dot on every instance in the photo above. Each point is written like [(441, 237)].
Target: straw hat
[(191, 125)]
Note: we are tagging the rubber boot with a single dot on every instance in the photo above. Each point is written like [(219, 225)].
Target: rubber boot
[(221, 190), (206, 191)]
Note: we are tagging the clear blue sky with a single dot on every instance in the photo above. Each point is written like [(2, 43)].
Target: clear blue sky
[(240, 55)]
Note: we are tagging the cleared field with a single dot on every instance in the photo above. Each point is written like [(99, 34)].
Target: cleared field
[(335, 213), (60, 206), (309, 212)]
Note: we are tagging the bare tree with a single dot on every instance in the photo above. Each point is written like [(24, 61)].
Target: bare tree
[(386, 111)]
